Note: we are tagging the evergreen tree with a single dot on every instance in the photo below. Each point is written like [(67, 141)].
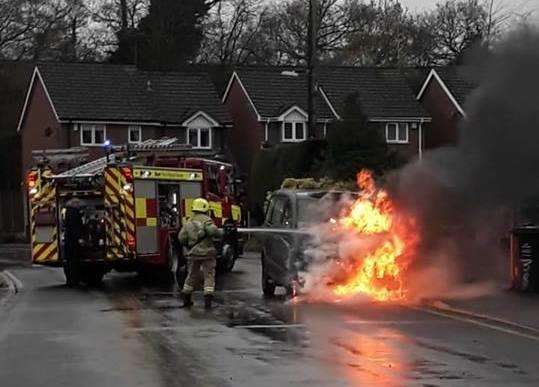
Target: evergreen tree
[(168, 36), (353, 145)]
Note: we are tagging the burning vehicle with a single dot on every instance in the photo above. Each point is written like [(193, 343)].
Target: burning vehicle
[(337, 245), (289, 217)]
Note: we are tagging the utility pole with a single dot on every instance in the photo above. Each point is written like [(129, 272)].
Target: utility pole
[(311, 66), (123, 14)]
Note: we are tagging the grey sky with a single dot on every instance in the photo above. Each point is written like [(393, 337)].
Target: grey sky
[(518, 7)]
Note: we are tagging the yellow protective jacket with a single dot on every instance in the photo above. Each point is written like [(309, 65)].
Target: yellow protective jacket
[(197, 236)]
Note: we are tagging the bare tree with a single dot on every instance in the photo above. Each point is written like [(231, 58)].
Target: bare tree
[(231, 32), (284, 31), (456, 27), (383, 34), (28, 29), (118, 14), (112, 19)]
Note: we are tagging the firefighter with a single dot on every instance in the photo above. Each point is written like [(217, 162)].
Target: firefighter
[(197, 236)]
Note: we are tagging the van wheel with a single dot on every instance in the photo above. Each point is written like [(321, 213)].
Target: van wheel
[(227, 260), (268, 285), (292, 290)]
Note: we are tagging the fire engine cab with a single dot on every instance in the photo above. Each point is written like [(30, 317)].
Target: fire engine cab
[(124, 211)]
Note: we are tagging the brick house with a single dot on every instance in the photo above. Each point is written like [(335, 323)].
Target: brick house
[(443, 94), (14, 79), (84, 105), (269, 105)]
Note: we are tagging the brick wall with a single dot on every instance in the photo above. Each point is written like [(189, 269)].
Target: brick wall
[(40, 129), (407, 151), (245, 138), (443, 130)]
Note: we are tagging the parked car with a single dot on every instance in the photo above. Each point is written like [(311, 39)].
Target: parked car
[(289, 218)]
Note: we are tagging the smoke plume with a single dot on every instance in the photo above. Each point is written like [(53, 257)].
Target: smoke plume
[(464, 197)]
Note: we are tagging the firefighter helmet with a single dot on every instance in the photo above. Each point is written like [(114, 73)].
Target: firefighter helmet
[(201, 205)]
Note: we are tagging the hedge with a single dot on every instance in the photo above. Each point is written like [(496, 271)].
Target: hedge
[(271, 166)]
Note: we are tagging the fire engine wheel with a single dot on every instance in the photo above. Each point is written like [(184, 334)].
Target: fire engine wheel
[(93, 276), (268, 285), (227, 261)]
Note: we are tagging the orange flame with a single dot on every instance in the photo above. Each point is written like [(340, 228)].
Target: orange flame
[(379, 273)]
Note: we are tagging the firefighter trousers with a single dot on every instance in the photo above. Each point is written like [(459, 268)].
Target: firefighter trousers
[(194, 266)]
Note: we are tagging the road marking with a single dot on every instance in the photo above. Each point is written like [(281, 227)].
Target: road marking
[(387, 322), (475, 322), (445, 307)]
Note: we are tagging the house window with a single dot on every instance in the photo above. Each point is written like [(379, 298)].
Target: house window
[(397, 133), (294, 131), (199, 138), (92, 134), (134, 134)]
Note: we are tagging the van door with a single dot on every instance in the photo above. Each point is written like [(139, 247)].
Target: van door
[(278, 240)]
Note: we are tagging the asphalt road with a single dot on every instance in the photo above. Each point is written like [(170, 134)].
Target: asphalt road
[(131, 334)]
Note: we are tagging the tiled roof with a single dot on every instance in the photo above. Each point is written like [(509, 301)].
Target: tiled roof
[(460, 81), (382, 92), (123, 93), (273, 92)]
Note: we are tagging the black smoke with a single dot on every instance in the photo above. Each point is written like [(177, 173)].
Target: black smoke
[(465, 197)]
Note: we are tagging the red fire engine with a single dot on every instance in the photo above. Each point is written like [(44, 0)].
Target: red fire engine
[(123, 212)]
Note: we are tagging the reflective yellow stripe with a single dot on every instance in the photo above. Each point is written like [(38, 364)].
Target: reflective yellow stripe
[(140, 207), (116, 172), (167, 174), (236, 213), (46, 253), (217, 209), (112, 182), (110, 197), (129, 212), (131, 227), (129, 198), (37, 247)]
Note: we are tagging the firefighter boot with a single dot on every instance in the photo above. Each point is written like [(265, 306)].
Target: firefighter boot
[(207, 301), (187, 301)]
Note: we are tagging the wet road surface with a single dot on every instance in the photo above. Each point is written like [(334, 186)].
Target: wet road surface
[(131, 334)]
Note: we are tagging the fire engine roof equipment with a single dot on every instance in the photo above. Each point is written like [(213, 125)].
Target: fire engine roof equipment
[(165, 144)]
